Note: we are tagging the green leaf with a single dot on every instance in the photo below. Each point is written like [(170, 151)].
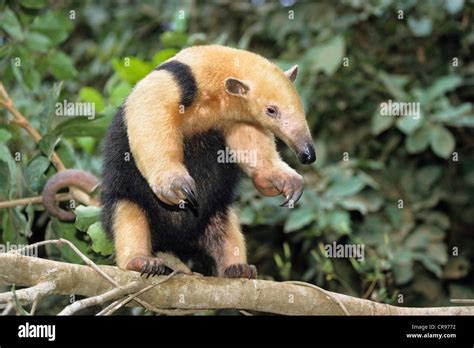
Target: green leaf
[(92, 95), (298, 219), (38, 42), (61, 65), (423, 236), (86, 216), (443, 85), (339, 221), (364, 203), (87, 144), (20, 222), (162, 55), (4, 135), (173, 39), (82, 127), (346, 187), (54, 24), (420, 27), (326, 56), (402, 266), (381, 123), (429, 264), (48, 143), (8, 172), (49, 106), (418, 141), (10, 23), (68, 231), (34, 4), (131, 69), (452, 113), (119, 93), (35, 172), (33, 79), (442, 141), (408, 124), (454, 6), (394, 84), (100, 242), (427, 176)]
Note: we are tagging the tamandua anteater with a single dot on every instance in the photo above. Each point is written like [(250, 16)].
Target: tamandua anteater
[(163, 188)]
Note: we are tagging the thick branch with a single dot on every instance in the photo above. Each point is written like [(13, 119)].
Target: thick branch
[(200, 293)]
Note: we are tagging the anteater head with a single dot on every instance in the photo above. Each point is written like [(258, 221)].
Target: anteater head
[(269, 98)]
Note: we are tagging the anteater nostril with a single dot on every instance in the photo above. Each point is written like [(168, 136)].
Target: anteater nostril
[(308, 155)]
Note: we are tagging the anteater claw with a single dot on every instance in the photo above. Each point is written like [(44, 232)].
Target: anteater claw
[(292, 198), (148, 267), (190, 196)]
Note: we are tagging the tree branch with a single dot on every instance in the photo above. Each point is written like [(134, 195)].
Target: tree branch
[(23, 122), (190, 292)]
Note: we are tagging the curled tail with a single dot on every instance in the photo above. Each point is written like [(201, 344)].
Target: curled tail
[(63, 179)]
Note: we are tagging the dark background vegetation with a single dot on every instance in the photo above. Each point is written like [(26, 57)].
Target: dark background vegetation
[(421, 247)]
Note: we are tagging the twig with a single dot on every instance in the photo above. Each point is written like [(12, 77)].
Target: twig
[(23, 122), (462, 300), (60, 197), (7, 309), (142, 291), (34, 306), (102, 298), (370, 289)]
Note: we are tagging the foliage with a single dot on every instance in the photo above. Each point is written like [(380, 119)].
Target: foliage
[(400, 186)]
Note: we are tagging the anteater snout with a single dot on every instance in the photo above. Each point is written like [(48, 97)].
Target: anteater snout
[(306, 153)]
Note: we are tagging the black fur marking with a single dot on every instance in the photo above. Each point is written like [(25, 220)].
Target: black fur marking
[(184, 77), (183, 232)]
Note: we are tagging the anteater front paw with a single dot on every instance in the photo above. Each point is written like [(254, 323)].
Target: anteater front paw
[(241, 270), (286, 182), (149, 266), (175, 187)]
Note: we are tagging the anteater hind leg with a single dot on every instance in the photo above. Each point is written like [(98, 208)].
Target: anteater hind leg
[(133, 241), (226, 245)]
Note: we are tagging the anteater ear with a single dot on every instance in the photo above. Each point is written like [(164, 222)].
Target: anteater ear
[(292, 72), (236, 87)]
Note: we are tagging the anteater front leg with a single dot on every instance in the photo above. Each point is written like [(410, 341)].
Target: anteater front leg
[(270, 175), (133, 241)]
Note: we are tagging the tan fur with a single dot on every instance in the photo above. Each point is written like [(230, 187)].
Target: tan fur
[(132, 234), (152, 109), (247, 137), (270, 168), (235, 250), (153, 119)]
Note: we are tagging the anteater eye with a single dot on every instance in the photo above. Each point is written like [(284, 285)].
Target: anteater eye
[(271, 111)]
